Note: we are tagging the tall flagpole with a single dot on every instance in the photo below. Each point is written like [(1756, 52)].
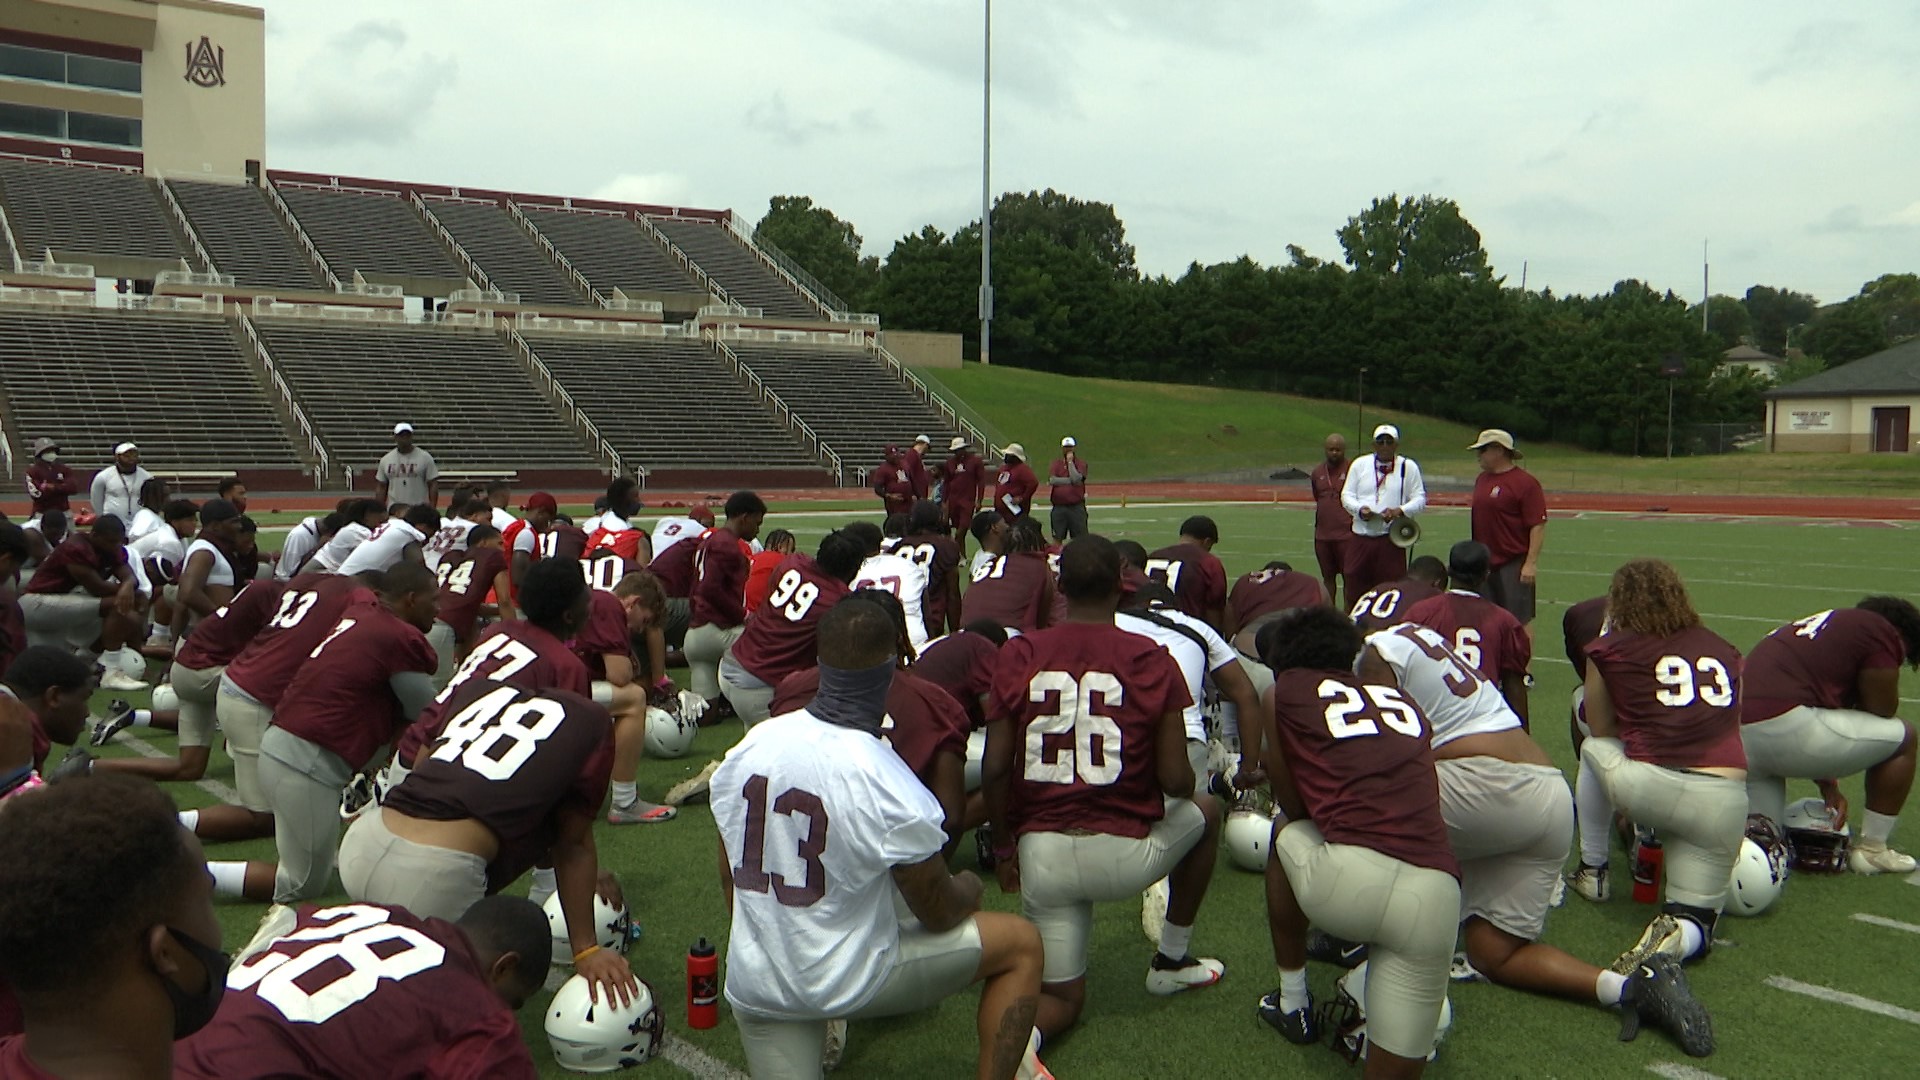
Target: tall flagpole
[(986, 191)]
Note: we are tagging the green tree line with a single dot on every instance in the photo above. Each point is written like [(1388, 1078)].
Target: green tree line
[(1414, 304)]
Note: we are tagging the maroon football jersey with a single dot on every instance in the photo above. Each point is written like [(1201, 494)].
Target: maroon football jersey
[(217, 638), (465, 579), (922, 720), (514, 761), (1485, 634), (564, 542), (513, 652), (1361, 760), (604, 632), (359, 990), (55, 575), (1578, 627), (939, 555), (1264, 592), (309, 607), (962, 665), (1012, 590), (341, 699), (1085, 701), (782, 637), (1196, 576), (1817, 661), (674, 567), (719, 596), (1386, 607), (1676, 700)]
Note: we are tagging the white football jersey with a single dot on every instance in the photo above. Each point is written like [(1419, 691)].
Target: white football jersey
[(669, 531), (980, 564), (813, 818), (383, 548), (145, 523), (350, 536), (905, 579), (296, 548), (449, 538), (1455, 697), (165, 548), (1195, 662)]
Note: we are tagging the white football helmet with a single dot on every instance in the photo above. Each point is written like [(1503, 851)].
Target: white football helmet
[(669, 736), (591, 1036), (1249, 835), (1346, 1014), (165, 697), (611, 927), (1758, 878)]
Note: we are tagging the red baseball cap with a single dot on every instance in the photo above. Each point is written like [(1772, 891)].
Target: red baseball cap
[(540, 500), (701, 514)]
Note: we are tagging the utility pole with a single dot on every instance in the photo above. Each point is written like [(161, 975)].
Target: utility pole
[(1706, 291), (1360, 406), (986, 190)]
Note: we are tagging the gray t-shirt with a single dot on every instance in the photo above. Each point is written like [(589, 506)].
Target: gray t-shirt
[(406, 475)]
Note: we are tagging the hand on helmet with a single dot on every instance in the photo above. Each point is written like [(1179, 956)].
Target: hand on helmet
[(608, 973), (692, 706)]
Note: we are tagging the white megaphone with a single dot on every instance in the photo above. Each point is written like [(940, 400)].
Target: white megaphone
[(1404, 532)]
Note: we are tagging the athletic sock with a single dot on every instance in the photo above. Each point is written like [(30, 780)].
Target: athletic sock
[(1876, 828), (1692, 937), (1293, 990), (143, 718), (1609, 987), (1174, 940), (189, 819), (1595, 812), (229, 878), (543, 884), (625, 794)]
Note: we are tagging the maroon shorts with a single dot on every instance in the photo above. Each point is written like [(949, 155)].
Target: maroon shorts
[(1371, 561), (1332, 556), (960, 515)]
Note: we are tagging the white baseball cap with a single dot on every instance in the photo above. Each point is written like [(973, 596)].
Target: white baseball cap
[(403, 428), (919, 439), (123, 448), (1387, 431), (1068, 441)]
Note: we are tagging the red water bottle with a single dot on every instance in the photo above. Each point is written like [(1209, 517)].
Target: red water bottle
[(703, 986), (1647, 862)]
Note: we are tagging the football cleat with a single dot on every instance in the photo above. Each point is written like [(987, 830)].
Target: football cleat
[(278, 922), (1299, 1027), (1338, 951), (1031, 1067), (119, 716), (693, 787), (1662, 937), (77, 763), (1166, 976), (835, 1046), (1868, 858), (640, 813), (1153, 910), (362, 792), (983, 847), (1657, 993), (1591, 883)]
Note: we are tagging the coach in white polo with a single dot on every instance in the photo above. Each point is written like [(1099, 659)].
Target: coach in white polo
[(1381, 488), (407, 473)]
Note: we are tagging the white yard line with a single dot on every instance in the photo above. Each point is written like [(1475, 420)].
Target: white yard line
[(144, 748), (1841, 997), (1891, 924), (1673, 1070)]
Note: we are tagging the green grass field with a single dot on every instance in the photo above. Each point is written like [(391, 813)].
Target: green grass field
[(1746, 578), (1141, 431)]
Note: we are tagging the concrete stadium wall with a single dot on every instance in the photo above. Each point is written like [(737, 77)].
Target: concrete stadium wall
[(192, 128), (917, 348)]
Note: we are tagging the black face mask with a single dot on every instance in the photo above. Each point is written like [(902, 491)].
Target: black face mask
[(191, 1012), (854, 698)]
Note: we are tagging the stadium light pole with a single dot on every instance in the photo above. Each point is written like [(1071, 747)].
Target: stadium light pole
[(986, 188)]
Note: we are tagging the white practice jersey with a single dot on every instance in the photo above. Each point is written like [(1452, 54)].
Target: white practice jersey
[(813, 818), (166, 549), (1195, 662), (669, 531), (450, 537), (350, 536), (905, 579), (383, 548), (1455, 697), (299, 544), (502, 518), (221, 572), (144, 524)]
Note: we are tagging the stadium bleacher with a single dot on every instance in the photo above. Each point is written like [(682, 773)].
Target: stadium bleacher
[(509, 257), (381, 236), (712, 247), (612, 252), (84, 215), (179, 386), (462, 389), (244, 234), (849, 398), (668, 403)]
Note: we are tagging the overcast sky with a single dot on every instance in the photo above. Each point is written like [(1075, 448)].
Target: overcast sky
[(1591, 141)]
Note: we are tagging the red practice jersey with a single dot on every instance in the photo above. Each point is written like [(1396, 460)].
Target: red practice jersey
[(962, 665), (341, 699), (465, 579), (1012, 590), (782, 637), (1817, 661), (1196, 576), (1485, 634), (604, 633), (309, 608), (1361, 760), (1676, 700), (513, 652), (1386, 606), (1085, 703), (922, 721), (359, 990), (217, 638), (1264, 592), (760, 577)]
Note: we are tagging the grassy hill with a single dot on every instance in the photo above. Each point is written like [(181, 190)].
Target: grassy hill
[(1142, 431)]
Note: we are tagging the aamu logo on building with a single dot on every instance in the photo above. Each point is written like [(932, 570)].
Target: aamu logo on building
[(206, 63)]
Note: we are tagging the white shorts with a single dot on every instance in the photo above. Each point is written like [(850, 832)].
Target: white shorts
[(1579, 709), (444, 648), (1510, 826), (245, 722), (377, 867), (1813, 744), (70, 620), (1062, 876), (1701, 818)]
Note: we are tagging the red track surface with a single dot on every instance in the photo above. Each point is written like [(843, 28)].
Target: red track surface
[(1800, 506)]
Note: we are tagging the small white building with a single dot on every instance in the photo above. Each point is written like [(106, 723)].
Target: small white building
[(1765, 365), (1863, 407)]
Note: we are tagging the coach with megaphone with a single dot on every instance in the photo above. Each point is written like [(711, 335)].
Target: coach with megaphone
[(1384, 493)]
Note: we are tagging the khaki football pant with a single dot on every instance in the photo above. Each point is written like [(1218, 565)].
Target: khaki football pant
[(1812, 744), (1701, 819), (199, 692), (1510, 826)]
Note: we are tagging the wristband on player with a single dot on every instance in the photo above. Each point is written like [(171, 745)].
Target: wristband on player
[(584, 953)]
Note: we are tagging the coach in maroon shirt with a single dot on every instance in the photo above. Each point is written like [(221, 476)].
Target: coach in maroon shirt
[(893, 483), (1014, 485), (1332, 525), (1364, 851), (1510, 517), (49, 480), (964, 475)]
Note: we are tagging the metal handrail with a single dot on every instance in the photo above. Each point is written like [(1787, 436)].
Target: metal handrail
[(6, 231), (189, 277), (783, 265), (553, 252), (572, 408), (322, 473), (186, 227), (478, 276), (931, 396), (713, 288), (300, 233), (781, 410)]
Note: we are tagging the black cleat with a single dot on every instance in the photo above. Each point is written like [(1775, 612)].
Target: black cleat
[(119, 715), (983, 847), (1656, 993), (1297, 1027), (77, 763), (1328, 949)]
